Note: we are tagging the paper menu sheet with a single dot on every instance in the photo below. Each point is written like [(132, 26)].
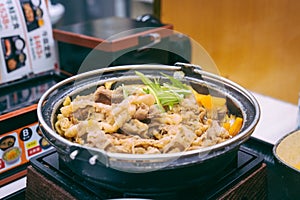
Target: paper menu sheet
[(27, 44)]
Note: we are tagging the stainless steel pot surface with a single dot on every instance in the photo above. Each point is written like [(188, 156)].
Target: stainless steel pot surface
[(240, 102)]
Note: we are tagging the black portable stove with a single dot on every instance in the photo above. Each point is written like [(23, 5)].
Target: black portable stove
[(52, 168)]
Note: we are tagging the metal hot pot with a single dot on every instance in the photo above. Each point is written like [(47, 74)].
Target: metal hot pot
[(148, 173)]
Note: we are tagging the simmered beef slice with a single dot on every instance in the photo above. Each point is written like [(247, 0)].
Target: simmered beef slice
[(103, 95)]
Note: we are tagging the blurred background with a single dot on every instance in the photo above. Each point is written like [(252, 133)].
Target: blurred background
[(253, 42), (83, 10)]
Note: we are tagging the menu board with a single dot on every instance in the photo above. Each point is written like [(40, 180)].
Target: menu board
[(27, 45), (18, 146)]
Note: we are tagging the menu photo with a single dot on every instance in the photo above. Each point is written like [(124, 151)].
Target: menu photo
[(33, 14), (27, 44), (14, 55)]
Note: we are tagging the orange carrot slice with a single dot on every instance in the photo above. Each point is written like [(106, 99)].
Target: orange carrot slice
[(236, 126)]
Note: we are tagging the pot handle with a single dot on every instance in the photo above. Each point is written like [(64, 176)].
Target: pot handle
[(190, 69), (91, 160), (73, 154), (188, 66)]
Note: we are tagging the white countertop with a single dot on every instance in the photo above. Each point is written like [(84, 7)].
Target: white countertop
[(277, 119)]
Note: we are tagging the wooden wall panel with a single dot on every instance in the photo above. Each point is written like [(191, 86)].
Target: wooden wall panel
[(255, 43)]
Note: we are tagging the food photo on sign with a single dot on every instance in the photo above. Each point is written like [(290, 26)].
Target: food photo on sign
[(33, 14), (27, 45), (13, 47)]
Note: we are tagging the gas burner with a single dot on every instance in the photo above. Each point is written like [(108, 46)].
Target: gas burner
[(52, 168)]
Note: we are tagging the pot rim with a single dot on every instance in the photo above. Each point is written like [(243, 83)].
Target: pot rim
[(280, 160), (230, 143)]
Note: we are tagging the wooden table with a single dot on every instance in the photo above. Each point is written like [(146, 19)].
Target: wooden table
[(254, 186)]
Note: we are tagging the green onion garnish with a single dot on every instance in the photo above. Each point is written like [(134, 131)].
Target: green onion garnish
[(166, 94)]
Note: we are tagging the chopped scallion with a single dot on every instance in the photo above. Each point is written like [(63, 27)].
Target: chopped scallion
[(166, 95)]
